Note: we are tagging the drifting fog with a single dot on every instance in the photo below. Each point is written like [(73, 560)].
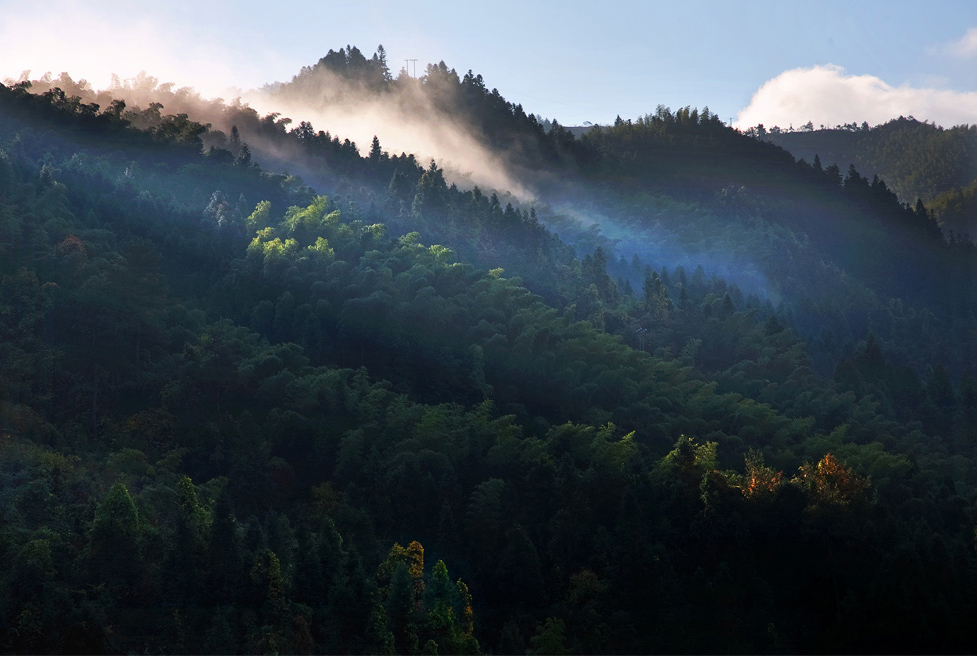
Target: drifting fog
[(406, 119), (90, 42), (94, 39)]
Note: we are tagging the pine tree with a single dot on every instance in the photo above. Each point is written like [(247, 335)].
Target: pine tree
[(375, 153), (114, 542), (223, 556)]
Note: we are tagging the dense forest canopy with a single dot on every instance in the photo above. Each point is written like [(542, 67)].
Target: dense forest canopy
[(918, 161), (262, 389)]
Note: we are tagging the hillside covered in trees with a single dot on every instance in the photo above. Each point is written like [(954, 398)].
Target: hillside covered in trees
[(263, 390), (918, 161)]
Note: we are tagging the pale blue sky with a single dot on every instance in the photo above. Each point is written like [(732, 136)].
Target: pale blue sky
[(573, 61)]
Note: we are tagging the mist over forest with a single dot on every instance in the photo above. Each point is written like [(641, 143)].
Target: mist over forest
[(377, 362)]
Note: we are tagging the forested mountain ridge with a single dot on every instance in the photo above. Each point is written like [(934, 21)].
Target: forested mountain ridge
[(670, 185), (674, 188), (917, 160), (254, 392), (529, 142)]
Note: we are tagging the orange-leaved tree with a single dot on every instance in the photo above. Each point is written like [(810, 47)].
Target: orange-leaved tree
[(831, 483)]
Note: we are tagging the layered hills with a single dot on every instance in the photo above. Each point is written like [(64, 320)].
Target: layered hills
[(480, 386)]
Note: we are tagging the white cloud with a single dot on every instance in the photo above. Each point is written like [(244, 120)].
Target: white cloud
[(827, 95), (963, 48)]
